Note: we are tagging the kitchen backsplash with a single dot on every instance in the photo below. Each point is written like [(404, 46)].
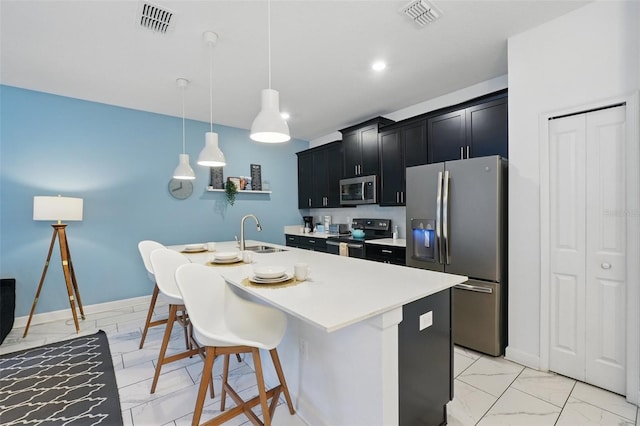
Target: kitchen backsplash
[(344, 215)]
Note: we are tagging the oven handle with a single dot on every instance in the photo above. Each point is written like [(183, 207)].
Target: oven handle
[(332, 243), (475, 288), (349, 245)]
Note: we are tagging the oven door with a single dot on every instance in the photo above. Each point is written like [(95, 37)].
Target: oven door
[(354, 249)]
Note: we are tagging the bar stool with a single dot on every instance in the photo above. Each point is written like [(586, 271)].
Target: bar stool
[(164, 263), (224, 323), (145, 248)]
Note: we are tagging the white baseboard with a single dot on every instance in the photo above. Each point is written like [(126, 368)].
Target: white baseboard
[(522, 358), (65, 314)]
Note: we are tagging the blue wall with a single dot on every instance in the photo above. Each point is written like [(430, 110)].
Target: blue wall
[(120, 161)]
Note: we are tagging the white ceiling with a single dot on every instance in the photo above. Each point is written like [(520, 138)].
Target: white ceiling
[(321, 54)]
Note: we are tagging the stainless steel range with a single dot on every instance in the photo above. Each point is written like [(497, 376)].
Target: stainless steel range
[(353, 245)]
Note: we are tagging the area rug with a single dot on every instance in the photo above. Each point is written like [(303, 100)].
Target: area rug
[(65, 383)]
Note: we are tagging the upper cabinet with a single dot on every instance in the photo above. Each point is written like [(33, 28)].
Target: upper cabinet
[(360, 148), (399, 147), (319, 174), (475, 131)]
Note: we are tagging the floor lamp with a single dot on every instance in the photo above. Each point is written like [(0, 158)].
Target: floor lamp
[(59, 209)]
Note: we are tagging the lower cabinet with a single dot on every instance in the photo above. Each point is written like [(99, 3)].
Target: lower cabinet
[(307, 243), (387, 254)]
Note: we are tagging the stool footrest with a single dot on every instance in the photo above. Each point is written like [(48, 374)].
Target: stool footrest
[(245, 406)]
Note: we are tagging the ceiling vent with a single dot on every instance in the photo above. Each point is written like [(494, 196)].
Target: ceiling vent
[(421, 12), (154, 17)]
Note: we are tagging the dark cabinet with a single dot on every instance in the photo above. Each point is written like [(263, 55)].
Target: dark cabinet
[(386, 254), (400, 147), (475, 131), (360, 148), (319, 173), (312, 243)]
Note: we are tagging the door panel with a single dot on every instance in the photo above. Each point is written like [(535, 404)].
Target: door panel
[(422, 189), (606, 249), (475, 215)]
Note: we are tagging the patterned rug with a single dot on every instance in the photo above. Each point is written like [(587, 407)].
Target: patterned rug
[(66, 383)]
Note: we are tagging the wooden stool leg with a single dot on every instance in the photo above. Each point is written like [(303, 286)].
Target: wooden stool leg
[(165, 343), (225, 377), (261, 388), (152, 306), (283, 382), (204, 382)]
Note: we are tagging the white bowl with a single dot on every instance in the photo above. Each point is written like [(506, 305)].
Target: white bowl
[(269, 271), (192, 247), (226, 255)]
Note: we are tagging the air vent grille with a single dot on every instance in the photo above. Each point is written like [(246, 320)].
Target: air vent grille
[(154, 18), (421, 12)]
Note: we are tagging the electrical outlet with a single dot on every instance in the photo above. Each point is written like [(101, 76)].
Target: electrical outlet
[(426, 320)]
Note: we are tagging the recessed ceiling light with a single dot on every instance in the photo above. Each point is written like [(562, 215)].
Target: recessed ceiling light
[(378, 65), (285, 115)]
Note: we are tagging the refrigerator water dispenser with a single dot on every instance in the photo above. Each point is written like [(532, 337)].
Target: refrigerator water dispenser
[(423, 231)]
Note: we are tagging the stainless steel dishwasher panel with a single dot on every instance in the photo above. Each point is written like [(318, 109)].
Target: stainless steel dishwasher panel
[(477, 322)]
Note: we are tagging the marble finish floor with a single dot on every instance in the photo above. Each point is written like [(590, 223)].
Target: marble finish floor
[(488, 391)]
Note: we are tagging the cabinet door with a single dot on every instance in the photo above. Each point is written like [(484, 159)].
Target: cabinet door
[(319, 179), (446, 136), (305, 180), (369, 146), (352, 153), (334, 174), (487, 129), (415, 144), (391, 168)]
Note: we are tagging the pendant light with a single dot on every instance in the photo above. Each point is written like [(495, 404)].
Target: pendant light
[(184, 170), (211, 155), (269, 126)]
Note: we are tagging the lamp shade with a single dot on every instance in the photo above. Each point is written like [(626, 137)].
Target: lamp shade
[(211, 156), (57, 208), (269, 126), (184, 170)]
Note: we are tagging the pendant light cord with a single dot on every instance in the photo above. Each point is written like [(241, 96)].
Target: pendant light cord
[(211, 86), (183, 131), (269, 37)]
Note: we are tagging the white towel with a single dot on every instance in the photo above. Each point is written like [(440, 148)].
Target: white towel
[(344, 249)]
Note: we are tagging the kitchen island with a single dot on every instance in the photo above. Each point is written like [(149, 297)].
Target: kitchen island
[(345, 333)]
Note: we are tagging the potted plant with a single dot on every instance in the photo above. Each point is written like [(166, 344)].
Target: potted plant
[(230, 190)]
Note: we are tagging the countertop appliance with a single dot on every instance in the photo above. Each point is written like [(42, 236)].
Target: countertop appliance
[(338, 228), (359, 190), (456, 222), (308, 222), (373, 229)]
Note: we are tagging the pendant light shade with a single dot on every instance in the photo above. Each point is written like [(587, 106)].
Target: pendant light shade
[(211, 156), (269, 126), (184, 170)]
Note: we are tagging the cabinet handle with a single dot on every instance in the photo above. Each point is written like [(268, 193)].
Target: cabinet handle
[(386, 251), (467, 151), (355, 169), (397, 197), (461, 153), (309, 202), (605, 265), (312, 241), (401, 196)]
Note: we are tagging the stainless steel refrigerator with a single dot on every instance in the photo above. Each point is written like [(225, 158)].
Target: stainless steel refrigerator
[(456, 223)]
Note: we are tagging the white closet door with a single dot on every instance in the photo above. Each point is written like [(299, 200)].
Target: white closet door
[(588, 247), (567, 240), (606, 249)]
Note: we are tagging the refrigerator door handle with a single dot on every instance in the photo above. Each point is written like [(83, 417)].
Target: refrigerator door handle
[(439, 218), (445, 217), (475, 288)]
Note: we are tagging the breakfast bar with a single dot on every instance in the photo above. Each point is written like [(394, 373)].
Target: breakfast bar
[(353, 327)]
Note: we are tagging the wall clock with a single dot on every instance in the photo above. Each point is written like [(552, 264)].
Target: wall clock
[(180, 189)]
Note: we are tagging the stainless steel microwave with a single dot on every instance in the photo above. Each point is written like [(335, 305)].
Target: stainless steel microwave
[(358, 190)]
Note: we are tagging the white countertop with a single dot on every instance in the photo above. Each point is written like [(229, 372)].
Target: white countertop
[(340, 290), (298, 230), (398, 242)]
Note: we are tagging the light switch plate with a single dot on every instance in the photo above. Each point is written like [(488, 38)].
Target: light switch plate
[(426, 320)]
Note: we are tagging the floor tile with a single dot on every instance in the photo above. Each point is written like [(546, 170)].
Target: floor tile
[(603, 399), (139, 393), (460, 363), (578, 412), (549, 387), (469, 404), (518, 408), (492, 375)]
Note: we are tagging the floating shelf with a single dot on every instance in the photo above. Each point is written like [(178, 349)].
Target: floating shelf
[(240, 191)]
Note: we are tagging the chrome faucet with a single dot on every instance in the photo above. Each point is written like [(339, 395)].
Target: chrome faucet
[(258, 226)]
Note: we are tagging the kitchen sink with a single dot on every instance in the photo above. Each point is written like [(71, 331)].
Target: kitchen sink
[(264, 249)]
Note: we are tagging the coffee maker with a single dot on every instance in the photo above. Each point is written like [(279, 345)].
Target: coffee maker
[(308, 222)]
